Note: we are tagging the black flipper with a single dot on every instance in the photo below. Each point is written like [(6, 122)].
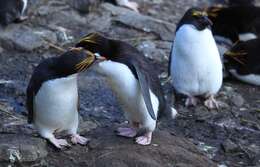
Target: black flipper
[(29, 102), (143, 81)]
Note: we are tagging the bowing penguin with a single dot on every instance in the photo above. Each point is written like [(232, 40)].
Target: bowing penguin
[(243, 61), (52, 96), (195, 65), (12, 10), (134, 81)]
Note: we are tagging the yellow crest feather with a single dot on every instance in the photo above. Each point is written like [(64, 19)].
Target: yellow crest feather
[(86, 62)]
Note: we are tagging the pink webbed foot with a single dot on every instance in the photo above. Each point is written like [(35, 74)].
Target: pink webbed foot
[(126, 132), (77, 139), (191, 101), (59, 143), (145, 139), (211, 103)]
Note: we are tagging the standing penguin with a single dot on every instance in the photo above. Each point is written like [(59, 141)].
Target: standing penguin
[(52, 96), (195, 64), (12, 10), (135, 82), (243, 61)]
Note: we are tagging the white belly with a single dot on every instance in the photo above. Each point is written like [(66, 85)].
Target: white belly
[(55, 105), (196, 66), (128, 92)]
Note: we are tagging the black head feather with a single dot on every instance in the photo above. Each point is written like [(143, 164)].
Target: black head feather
[(196, 17)]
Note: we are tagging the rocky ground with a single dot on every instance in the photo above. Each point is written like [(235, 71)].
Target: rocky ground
[(197, 137)]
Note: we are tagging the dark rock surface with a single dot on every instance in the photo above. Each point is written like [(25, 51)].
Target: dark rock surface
[(197, 137)]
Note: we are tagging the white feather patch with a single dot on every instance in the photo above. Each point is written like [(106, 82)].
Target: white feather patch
[(25, 2), (55, 105), (247, 36), (251, 78)]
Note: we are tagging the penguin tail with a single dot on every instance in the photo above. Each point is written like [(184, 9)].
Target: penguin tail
[(168, 113), (173, 113)]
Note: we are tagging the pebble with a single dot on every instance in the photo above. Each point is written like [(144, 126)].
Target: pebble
[(237, 100)]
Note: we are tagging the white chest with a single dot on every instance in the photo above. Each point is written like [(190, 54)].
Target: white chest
[(121, 79), (56, 102)]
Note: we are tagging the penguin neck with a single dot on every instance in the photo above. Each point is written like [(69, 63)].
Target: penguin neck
[(188, 34), (63, 70), (117, 73), (65, 83), (111, 69)]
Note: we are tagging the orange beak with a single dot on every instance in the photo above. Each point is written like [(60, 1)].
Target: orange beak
[(99, 57)]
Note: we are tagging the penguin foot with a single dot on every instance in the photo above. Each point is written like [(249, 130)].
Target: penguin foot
[(191, 101), (126, 132), (21, 19), (130, 5), (77, 139), (145, 139), (59, 143), (211, 103)]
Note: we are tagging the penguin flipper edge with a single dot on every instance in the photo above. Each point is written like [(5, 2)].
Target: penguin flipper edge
[(143, 81)]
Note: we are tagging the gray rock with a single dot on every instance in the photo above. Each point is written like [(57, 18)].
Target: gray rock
[(25, 38), (229, 146), (21, 38), (43, 11), (86, 126), (237, 100), (110, 150), (84, 6), (151, 51), (163, 29), (1, 50), (21, 148), (47, 35)]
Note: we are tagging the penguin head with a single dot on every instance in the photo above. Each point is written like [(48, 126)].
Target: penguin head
[(75, 60), (97, 44), (196, 17)]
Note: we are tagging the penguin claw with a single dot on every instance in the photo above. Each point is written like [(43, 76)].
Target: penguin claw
[(21, 19), (143, 140), (211, 103), (60, 143), (77, 139), (191, 101), (126, 132)]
